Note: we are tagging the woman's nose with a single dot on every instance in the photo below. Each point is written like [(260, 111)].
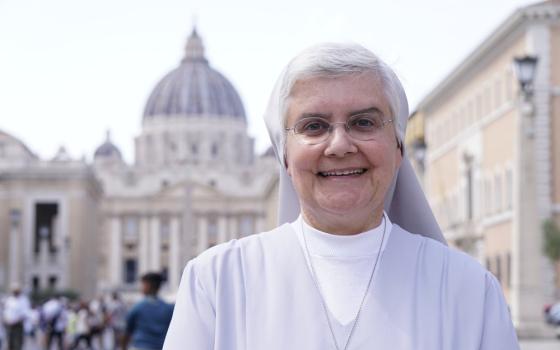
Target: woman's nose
[(339, 142)]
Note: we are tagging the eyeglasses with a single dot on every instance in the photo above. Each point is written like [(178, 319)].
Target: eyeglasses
[(362, 127)]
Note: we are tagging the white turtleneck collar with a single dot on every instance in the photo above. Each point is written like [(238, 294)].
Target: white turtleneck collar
[(331, 245), (343, 264)]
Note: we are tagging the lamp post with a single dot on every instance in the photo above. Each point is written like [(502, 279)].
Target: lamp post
[(527, 277), (525, 69)]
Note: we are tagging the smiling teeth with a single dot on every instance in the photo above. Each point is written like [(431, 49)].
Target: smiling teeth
[(342, 172)]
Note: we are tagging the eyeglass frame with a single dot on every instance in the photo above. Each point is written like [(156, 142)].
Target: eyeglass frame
[(331, 129)]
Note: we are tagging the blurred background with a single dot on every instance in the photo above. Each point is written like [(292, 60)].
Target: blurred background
[(131, 134)]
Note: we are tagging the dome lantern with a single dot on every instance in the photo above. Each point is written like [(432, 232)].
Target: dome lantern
[(194, 50)]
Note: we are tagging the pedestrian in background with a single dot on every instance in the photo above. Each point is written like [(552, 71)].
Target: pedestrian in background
[(56, 320), (16, 309), (97, 321), (116, 318), (148, 320), (81, 323)]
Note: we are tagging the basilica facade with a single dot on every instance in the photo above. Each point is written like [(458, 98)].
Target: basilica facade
[(195, 182)]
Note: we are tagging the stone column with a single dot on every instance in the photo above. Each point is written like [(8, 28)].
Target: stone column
[(143, 246), (527, 278), (115, 251), (15, 268), (155, 244), (232, 227), (174, 254), (223, 234), (202, 234)]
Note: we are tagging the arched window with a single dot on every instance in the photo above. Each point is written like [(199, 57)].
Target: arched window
[(214, 150)]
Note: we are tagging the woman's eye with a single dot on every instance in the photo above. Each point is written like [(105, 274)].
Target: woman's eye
[(365, 123), (312, 127)]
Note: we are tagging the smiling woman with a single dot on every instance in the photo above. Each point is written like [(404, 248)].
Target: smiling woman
[(342, 181), (344, 272)]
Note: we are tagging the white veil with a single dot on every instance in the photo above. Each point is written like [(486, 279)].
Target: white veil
[(405, 202)]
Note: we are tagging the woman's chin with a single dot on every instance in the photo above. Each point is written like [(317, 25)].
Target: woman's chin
[(341, 203)]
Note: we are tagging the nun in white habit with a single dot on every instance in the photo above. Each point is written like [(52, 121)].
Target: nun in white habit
[(358, 261)]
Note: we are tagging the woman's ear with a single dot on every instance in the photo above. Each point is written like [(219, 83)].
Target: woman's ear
[(286, 164), (399, 155), (285, 158)]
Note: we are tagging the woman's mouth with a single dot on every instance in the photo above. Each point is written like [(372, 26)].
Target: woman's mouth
[(342, 172)]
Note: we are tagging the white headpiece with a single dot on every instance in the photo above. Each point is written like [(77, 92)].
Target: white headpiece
[(405, 202)]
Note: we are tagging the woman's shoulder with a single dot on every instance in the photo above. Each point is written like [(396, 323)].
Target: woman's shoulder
[(439, 258)]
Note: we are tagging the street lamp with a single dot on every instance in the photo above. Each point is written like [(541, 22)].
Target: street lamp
[(525, 68), (527, 275)]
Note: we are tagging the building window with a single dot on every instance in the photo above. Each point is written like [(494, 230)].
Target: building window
[(509, 85), (498, 188), (469, 190), (45, 227), (478, 107), (456, 123), (131, 228), (165, 229), (499, 268), (52, 282), (498, 93), (488, 195), (164, 274), (35, 283), (130, 271), (509, 189), (214, 150)]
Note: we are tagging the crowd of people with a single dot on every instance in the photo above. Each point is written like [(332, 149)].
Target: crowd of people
[(105, 322)]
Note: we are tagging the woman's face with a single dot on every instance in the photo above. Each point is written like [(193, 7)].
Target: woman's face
[(330, 199)]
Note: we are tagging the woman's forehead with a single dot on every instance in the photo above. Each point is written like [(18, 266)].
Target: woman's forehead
[(347, 94)]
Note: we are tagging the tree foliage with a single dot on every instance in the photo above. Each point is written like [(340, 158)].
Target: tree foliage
[(551, 241)]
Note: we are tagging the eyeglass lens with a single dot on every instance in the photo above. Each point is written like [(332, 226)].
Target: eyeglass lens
[(362, 127)]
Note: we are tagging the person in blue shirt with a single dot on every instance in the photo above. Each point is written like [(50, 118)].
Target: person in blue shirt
[(148, 320)]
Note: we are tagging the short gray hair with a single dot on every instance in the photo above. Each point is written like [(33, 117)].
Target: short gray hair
[(338, 59)]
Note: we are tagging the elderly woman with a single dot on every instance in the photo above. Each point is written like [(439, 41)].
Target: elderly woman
[(345, 272)]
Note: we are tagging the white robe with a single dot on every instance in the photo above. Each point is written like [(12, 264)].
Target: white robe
[(257, 293)]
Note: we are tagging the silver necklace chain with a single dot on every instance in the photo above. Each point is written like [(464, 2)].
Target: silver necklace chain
[(323, 303)]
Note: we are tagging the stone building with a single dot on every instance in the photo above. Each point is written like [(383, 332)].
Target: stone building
[(49, 212), (195, 182), (492, 163)]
